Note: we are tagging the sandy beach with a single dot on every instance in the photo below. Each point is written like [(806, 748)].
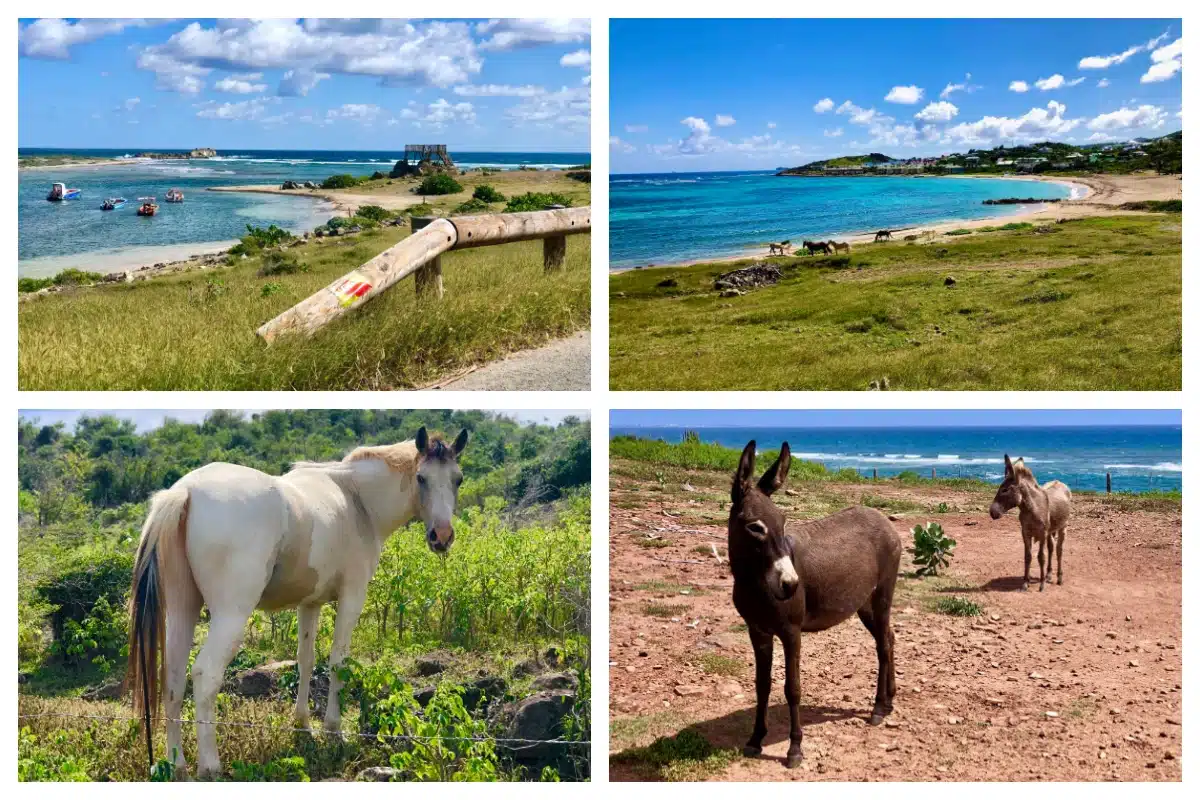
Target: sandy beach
[(344, 203), (1091, 196), (90, 164)]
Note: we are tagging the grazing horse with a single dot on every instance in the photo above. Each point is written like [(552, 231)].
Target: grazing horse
[(236, 539), (807, 577), (840, 247), (814, 247), (780, 248), (1044, 511), (882, 235)]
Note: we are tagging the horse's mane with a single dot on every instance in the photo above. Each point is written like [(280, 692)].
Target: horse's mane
[(1020, 470), (401, 457)]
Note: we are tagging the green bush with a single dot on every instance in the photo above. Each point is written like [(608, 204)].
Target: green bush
[(487, 194), (420, 210), (932, 549), (536, 201), (439, 184), (1162, 206), (957, 607), (377, 175), (98, 639), (77, 586), (54, 761), (289, 769), (583, 176), (269, 289), (277, 263), (33, 284), (340, 182), (472, 207), (375, 213), (68, 277)]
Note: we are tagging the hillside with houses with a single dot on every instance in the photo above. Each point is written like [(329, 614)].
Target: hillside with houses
[(1163, 154)]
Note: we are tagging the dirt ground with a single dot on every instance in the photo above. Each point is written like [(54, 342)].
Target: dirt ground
[(1081, 682)]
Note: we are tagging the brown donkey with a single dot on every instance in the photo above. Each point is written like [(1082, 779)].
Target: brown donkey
[(1044, 514), (807, 577)]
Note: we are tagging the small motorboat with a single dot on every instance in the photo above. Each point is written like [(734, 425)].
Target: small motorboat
[(174, 196), (148, 207), (60, 192), (112, 203)]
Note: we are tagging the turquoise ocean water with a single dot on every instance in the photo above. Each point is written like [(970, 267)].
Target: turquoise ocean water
[(1140, 458), (51, 236), (675, 217)]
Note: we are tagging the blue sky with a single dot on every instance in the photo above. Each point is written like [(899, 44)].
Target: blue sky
[(907, 418), (696, 95), (516, 85), (149, 419)]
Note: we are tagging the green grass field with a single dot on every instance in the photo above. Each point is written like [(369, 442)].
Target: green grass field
[(1093, 304), (196, 330)]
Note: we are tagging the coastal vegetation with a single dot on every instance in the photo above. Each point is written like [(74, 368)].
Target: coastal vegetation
[(1016, 308), (445, 647), (438, 184), (508, 184)]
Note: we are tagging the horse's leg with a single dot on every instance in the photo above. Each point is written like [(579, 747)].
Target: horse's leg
[(1028, 540), (1062, 533), (1049, 552), (224, 638), (764, 651), (183, 612), (1042, 561), (306, 650), (350, 605), (791, 691)]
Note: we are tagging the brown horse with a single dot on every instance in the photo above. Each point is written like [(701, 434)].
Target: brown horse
[(780, 248), (1044, 511), (807, 577), (882, 235), (815, 247), (840, 247)]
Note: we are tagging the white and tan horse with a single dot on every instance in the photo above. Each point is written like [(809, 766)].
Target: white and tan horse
[(236, 539)]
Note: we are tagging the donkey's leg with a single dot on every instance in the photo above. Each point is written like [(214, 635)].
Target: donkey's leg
[(224, 638), (306, 650), (764, 651), (1028, 540), (791, 690), (877, 621), (350, 605), (183, 612), (1049, 552), (1042, 562), (1062, 533)]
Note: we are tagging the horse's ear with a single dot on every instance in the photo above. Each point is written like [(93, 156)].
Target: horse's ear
[(1007, 465), (422, 440), (774, 477), (745, 470), (460, 443)]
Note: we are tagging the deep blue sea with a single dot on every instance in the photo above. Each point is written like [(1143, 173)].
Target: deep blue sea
[(51, 236), (1140, 458), (684, 216)]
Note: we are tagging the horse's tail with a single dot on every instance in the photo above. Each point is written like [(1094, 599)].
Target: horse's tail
[(166, 525)]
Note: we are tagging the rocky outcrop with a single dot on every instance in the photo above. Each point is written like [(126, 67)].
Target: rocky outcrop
[(263, 681), (751, 277)]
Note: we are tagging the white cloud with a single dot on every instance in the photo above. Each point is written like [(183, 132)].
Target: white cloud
[(697, 124), (241, 84), (1047, 84), (253, 109), (906, 95), (1018, 86), (1142, 117), (823, 105), (365, 113), (1167, 61), (725, 120), (616, 143), (771, 126), (1157, 40), (1102, 83), (130, 104), (1104, 62), (965, 86), (941, 111), (54, 38), (512, 34), (833, 133), (498, 90), (299, 82), (1034, 125), (569, 108), (863, 116), (171, 75), (440, 113), (580, 58), (637, 128), (1076, 81)]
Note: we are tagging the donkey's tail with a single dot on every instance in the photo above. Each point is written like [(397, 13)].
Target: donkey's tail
[(166, 525)]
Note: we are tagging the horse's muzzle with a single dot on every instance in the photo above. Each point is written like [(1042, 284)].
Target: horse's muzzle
[(439, 542), (996, 511)]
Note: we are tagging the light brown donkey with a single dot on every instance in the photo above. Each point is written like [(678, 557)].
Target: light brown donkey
[(1044, 511)]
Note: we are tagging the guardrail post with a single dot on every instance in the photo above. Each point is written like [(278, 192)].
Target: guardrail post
[(1108, 483), (554, 252), (428, 279)]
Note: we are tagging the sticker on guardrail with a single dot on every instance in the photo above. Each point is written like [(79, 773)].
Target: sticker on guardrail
[(350, 288)]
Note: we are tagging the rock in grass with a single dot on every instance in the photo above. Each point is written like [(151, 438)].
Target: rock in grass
[(378, 774)]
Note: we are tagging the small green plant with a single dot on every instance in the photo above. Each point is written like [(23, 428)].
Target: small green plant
[(665, 610), (717, 664), (420, 210), (375, 213), (932, 549), (943, 508), (488, 194), (448, 744), (340, 182), (958, 232), (686, 756), (472, 207), (653, 544), (277, 263), (99, 638), (269, 289), (163, 771), (957, 607), (53, 761), (536, 201), (279, 770), (438, 184)]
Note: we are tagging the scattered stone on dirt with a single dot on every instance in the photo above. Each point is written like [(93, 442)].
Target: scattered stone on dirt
[(687, 690), (526, 668), (481, 694), (751, 277), (262, 681), (378, 774), (556, 680), (537, 717), (432, 664), (950, 281), (107, 691)]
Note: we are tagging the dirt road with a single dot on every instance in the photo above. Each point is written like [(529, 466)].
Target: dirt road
[(562, 365), (1081, 682)]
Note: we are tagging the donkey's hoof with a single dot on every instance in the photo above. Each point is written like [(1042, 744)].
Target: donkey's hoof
[(750, 751), (876, 718), (793, 760), (1060, 581)]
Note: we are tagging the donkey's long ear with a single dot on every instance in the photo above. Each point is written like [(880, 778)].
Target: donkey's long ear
[(774, 477), (460, 443), (745, 470), (1008, 470), (422, 440)]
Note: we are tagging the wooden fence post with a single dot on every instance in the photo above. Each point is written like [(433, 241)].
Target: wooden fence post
[(554, 252), (428, 279), (1108, 483), (874, 474), (934, 471)]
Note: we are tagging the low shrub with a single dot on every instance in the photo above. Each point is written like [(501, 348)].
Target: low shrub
[(1161, 206), (438, 184), (374, 213), (344, 181), (957, 607), (932, 549), (276, 263), (488, 194), (536, 201), (472, 206), (583, 176)]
